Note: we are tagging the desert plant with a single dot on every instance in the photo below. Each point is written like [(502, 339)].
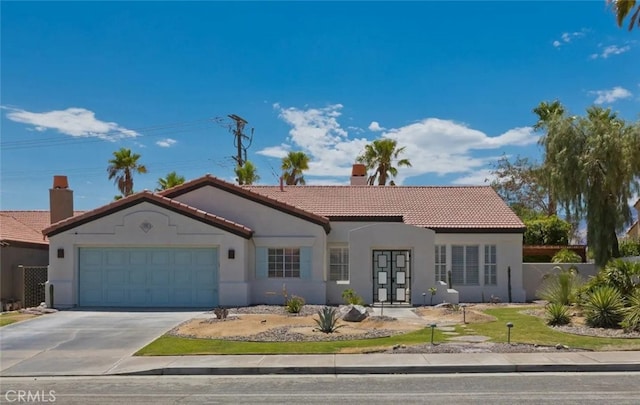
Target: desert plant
[(604, 307), (560, 287), (566, 256), (294, 304), (557, 314), (433, 292), (623, 275), (221, 313), (631, 320), (350, 297), (328, 320)]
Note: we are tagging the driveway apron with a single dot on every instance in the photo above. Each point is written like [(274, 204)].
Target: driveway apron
[(80, 342)]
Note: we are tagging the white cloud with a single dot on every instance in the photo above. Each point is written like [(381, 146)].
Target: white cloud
[(611, 95), (279, 151), (482, 177), (375, 127), (611, 50), (166, 143), (78, 122), (567, 37), (432, 145)]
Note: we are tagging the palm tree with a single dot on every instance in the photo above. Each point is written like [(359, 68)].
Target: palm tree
[(122, 167), (170, 180), (622, 9), (247, 173), (293, 165), (380, 155)]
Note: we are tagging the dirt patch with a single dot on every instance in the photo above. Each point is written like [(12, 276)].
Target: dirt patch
[(450, 316), (272, 327)]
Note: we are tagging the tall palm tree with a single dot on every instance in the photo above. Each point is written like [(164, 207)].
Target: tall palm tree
[(247, 173), (170, 180), (122, 167), (622, 8), (293, 165), (380, 155)]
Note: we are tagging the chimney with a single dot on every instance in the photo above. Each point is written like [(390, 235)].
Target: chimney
[(359, 175), (60, 199)]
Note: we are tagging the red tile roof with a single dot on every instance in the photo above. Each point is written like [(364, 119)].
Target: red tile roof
[(25, 226), (147, 196), (440, 208)]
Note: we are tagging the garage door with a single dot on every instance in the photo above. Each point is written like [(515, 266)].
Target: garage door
[(148, 277)]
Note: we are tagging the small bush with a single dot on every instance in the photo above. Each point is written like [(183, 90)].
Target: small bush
[(328, 320), (351, 298), (630, 247), (631, 320), (604, 307), (566, 256), (294, 304), (557, 314), (561, 287)]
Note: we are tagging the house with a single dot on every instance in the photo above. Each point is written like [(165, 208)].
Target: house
[(210, 243), (22, 245), (634, 231)]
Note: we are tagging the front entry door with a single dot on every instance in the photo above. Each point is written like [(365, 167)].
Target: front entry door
[(391, 276)]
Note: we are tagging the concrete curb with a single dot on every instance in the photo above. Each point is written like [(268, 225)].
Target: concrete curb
[(433, 369)]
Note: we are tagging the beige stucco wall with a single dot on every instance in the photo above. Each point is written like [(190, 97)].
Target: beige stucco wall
[(11, 257), (122, 229), (272, 228), (509, 254), (532, 274)]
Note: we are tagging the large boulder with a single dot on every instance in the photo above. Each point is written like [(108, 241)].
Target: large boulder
[(353, 313)]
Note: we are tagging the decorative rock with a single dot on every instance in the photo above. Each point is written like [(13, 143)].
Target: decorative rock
[(353, 313), (561, 346)]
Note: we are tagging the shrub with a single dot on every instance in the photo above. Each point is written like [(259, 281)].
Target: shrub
[(631, 320), (294, 304), (328, 320), (630, 247), (604, 307), (547, 231), (557, 314), (566, 256), (561, 287), (622, 275), (351, 298)]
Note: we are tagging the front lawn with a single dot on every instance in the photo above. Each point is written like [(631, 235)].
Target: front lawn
[(7, 318), (533, 330)]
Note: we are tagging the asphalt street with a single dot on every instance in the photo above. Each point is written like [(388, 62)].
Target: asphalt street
[(511, 388)]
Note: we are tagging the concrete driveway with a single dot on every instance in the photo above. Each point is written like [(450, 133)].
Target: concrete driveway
[(80, 342)]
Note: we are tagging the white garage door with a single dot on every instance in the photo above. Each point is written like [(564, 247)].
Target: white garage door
[(148, 277)]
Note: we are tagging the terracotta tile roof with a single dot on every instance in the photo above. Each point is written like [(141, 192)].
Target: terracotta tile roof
[(147, 196), (25, 226), (440, 208), (248, 193)]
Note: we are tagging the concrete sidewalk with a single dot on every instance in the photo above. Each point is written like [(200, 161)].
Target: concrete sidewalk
[(379, 363)]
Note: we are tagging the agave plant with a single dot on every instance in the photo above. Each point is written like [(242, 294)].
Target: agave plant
[(604, 307), (328, 322), (560, 287), (631, 321), (557, 314)]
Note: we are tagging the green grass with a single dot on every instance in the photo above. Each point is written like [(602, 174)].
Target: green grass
[(174, 346), (7, 318), (533, 330), (527, 329)]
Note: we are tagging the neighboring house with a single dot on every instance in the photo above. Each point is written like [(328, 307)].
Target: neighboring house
[(634, 231), (22, 242), (211, 243)]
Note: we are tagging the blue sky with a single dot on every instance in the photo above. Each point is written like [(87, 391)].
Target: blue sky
[(454, 82)]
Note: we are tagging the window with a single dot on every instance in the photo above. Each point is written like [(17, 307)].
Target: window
[(284, 262), (339, 264), (465, 265), (490, 265), (441, 263)]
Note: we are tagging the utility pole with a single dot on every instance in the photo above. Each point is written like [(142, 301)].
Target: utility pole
[(239, 137)]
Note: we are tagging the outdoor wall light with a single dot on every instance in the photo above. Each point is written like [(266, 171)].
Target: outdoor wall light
[(509, 326), (60, 253), (231, 253), (433, 326)]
